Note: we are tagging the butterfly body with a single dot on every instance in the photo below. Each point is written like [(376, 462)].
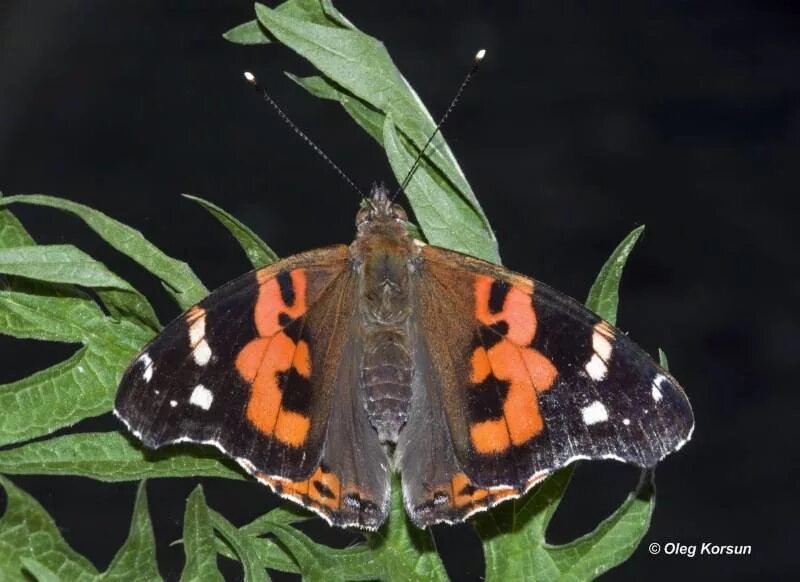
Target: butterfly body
[(383, 259), (326, 371)]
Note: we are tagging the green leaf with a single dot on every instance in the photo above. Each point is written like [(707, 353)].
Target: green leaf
[(319, 562), (136, 559), (319, 12), (12, 233), (80, 387), (59, 264), (269, 553), (513, 533), (258, 252), (68, 264), (612, 542), (247, 33), (400, 550), (514, 536), (361, 65), (447, 221), (285, 515), (370, 119), (266, 552), (662, 359), (40, 572), (111, 456), (242, 545), (198, 540), (27, 531), (604, 294), (178, 278)]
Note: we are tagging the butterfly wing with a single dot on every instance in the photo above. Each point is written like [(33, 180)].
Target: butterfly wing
[(546, 382), (262, 369)]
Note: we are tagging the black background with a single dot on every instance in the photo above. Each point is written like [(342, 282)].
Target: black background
[(587, 120)]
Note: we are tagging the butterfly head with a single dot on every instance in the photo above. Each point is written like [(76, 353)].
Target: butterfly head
[(380, 215)]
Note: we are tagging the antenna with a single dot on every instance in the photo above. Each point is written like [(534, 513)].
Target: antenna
[(251, 78), (471, 73)]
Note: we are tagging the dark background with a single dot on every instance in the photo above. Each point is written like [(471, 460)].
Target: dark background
[(587, 120)]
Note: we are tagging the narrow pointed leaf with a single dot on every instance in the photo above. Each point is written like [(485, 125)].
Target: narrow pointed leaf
[(662, 359), (267, 552), (112, 456), (12, 233), (242, 545), (198, 541), (332, 13), (136, 559), (68, 264), (285, 515), (27, 531), (318, 11), (247, 33), (604, 294), (257, 251), (612, 542), (59, 264), (179, 279), (445, 218)]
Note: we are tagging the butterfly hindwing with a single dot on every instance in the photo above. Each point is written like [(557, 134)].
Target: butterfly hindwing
[(351, 485), (253, 369), (528, 380)]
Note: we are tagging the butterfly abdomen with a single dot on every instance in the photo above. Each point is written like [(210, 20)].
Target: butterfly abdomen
[(386, 379), (386, 366)]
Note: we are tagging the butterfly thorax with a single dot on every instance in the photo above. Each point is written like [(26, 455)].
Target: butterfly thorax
[(383, 257)]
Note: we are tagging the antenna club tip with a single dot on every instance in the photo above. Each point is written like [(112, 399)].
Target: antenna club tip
[(480, 54), (249, 77)]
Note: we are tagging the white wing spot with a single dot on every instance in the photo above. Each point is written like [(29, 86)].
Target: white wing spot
[(197, 330), (626, 421), (202, 397), (594, 413), (601, 346), (197, 338), (656, 388), (147, 361), (173, 403), (202, 353), (596, 368)]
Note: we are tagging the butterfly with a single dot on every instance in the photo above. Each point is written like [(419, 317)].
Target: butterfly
[(327, 371)]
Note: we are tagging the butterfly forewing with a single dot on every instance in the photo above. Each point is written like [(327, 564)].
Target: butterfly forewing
[(261, 368), (529, 380), (234, 370)]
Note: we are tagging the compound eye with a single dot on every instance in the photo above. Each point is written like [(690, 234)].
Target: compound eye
[(363, 215), (399, 212)]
